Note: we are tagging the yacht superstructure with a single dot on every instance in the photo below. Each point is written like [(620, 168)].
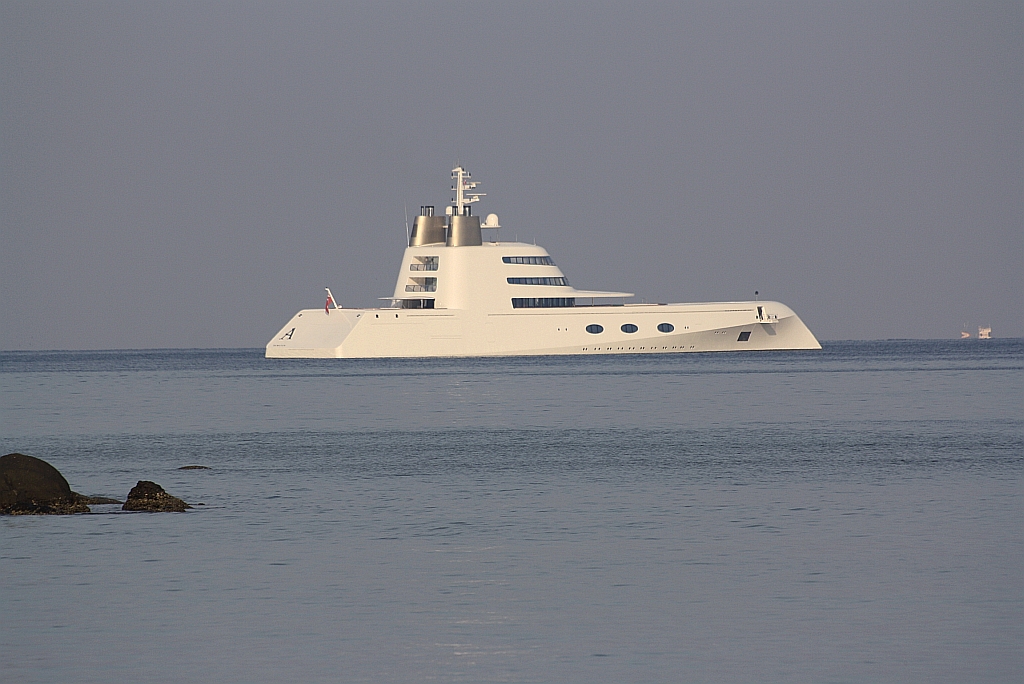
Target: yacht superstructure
[(458, 295)]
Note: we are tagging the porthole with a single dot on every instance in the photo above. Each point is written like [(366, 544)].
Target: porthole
[(594, 329), (666, 327), (629, 328)]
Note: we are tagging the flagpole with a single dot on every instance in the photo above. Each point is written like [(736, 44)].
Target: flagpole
[(330, 300)]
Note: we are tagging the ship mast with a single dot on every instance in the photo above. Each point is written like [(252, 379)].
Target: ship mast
[(464, 195)]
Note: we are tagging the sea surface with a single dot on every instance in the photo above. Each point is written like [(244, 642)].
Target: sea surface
[(849, 515)]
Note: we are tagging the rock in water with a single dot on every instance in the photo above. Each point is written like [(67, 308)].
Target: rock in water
[(149, 496), (30, 485)]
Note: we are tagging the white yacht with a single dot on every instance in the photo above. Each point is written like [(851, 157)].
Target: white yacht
[(459, 295)]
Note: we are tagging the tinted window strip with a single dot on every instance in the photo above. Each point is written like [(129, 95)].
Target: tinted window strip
[(538, 281), (531, 260), (542, 302), (417, 304)]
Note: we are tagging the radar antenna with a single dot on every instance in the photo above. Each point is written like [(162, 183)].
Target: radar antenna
[(463, 187)]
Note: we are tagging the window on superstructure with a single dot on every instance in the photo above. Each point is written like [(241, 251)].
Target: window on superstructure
[(424, 263), (531, 260), (537, 281), (421, 285), (417, 303), (542, 302)]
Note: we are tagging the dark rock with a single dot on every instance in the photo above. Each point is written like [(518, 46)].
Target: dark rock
[(31, 486), (194, 467), (149, 496)]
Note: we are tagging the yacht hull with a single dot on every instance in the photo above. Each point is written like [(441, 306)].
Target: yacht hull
[(403, 333)]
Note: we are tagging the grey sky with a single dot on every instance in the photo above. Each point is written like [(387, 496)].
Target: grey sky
[(190, 175)]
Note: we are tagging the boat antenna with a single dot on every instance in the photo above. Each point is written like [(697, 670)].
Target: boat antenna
[(406, 205)]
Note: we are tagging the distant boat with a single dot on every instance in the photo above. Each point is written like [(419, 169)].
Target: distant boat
[(984, 333), (458, 295), (964, 335)]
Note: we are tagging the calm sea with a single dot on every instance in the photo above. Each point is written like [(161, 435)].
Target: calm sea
[(849, 515)]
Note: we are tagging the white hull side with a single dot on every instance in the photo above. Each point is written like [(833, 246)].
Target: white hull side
[(391, 333), (313, 334)]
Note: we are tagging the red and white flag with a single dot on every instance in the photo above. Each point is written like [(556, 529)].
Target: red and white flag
[(330, 301)]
